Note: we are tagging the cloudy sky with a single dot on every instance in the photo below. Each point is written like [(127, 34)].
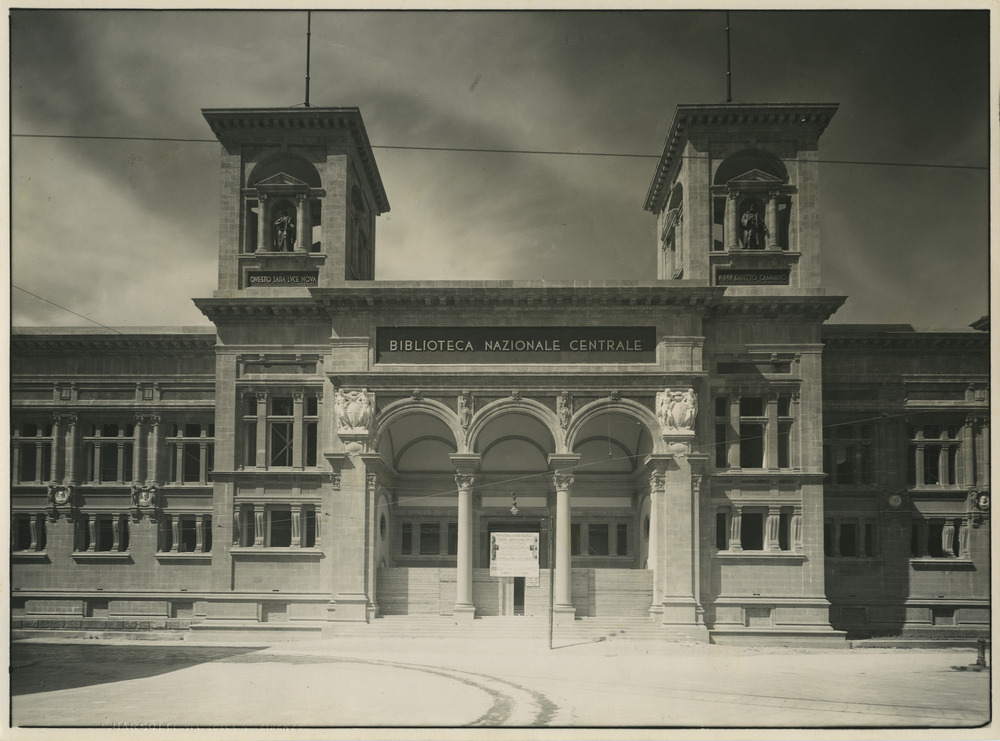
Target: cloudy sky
[(126, 232)]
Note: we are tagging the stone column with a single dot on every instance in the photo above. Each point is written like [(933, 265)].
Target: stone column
[(969, 452), (986, 449), (771, 439), (736, 529), (203, 460), (139, 449), (258, 525), (116, 532), (298, 430), (773, 529), (948, 539), (263, 233), (301, 243), (175, 533), (90, 522), (563, 578), (465, 608), (56, 448), (199, 533), (73, 440), (296, 526), (261, 458), (734, 431), (963, 538), (772, 222), (732, 227), (153, 471)]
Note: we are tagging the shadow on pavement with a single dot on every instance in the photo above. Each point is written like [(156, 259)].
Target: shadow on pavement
[(45, 667)]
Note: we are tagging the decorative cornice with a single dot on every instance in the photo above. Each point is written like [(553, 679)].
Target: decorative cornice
[(748, 117), (905, 340), (257, 125), (25, 341), (811, 308)]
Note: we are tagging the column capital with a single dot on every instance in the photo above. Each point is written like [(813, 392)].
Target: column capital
[(464, 481), (563, 481)]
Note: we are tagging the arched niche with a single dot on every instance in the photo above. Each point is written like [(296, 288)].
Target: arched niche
[(283, 205)]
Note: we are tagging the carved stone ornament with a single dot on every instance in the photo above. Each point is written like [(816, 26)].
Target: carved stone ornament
[(564, 409), (563, 481), (354, 410), (60, 497), (657, 481), (465, 410), (464, 481), (981, 500), (144, 498), (515, 395), (895, 500), (677, 409), (615, 396), (417, 395)]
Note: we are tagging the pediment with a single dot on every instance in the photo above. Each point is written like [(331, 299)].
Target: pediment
[(281, 179), (756, 176)]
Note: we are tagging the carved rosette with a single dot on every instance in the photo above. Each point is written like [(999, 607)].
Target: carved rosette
[(60, 499)]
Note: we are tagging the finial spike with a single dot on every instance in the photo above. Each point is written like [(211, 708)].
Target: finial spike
[(308, 44)]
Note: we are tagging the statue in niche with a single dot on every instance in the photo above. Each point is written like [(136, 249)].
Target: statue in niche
[(677, 409), (353, 410), (754, 229), (284, 228), (564, 409), (465, 409)]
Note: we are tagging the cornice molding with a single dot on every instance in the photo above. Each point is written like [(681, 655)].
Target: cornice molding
[(254, 125), (69, 342), (812, 118), (916, 340)]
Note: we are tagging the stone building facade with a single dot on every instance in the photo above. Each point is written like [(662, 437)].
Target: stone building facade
[(702, 449)]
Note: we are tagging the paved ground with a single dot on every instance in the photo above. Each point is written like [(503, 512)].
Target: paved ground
[(421, 683)]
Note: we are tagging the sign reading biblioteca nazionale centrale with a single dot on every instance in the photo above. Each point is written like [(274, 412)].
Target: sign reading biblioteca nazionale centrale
[(515, 344)]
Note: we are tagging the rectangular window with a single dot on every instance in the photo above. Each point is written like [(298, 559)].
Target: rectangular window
[(309, 528), (784, 531), (21, 533), (32, 453), (280, 443), (109, 451), (207, 537), (452, 538), (935, 531), (722, 531), (849, 539), (188, 535), (621, 539), (166, 533), (104, 533), (752, 531), (597, 534), (848, 453), (751, 445), (574, 539), (430, 538), (828, 539), (280, 530), (406, 538), (933, 455)]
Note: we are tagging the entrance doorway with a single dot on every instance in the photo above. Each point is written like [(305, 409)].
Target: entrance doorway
[(519, 595)]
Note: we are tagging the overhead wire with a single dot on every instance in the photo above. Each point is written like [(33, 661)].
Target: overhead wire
[(488, 150)]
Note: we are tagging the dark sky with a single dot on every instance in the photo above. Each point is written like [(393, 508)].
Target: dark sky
[(126, 232)]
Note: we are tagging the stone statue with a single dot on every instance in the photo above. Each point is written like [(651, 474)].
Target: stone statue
[(354, 410), (754, 229), (465, 410), (676, 409), (284, 228), (564, 409)]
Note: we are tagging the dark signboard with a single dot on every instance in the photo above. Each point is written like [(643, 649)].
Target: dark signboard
[(279, 278), (515, 345), (752, 276)]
